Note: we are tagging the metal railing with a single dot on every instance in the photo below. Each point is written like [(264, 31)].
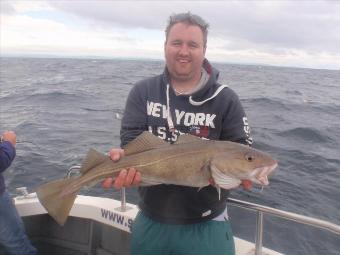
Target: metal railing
[(260, 210), (75, 170)]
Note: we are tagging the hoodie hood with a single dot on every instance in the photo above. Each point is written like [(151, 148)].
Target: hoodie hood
[(213, 77), (208, 91)]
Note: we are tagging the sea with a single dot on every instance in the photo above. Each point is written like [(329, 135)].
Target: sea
[(60, 108)]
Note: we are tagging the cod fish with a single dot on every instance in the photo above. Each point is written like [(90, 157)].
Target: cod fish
[(191, 161)]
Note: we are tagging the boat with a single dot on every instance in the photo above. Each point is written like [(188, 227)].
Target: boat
[(102, 226)]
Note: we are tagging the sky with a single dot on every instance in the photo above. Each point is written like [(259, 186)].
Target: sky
[(280, 33)]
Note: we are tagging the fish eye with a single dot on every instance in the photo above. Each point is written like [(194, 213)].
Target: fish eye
[(249, 157)]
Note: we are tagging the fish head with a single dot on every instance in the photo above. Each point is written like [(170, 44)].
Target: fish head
[(232, 165)]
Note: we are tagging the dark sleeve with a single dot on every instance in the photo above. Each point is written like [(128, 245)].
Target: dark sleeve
[(235, 123), (134, 121), (7, 154)]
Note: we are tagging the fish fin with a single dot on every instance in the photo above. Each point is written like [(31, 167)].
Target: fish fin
[(57, 206), (91, 183), (187, 138), (149, 182), (144, 142), (92, 159)]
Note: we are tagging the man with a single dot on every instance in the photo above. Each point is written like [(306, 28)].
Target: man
[(186, 98), (12, 233)]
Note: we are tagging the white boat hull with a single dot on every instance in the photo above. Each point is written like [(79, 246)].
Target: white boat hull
[(108, 227)]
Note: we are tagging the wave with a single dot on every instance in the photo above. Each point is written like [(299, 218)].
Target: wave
[(43, 96), (268, 103), (96, 110), (52, 95), (287, 103), (305, 133)]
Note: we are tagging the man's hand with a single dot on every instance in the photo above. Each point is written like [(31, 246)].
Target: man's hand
[(247, 185), (126, 178), (10, 136)]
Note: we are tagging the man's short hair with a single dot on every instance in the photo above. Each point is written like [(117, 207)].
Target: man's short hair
[(190, 19)]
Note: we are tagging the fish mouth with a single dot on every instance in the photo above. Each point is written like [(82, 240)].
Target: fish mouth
[(260, 174)]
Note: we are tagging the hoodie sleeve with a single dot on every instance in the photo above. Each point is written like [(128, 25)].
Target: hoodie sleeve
[(235, 123), (7, 154), (134, 121)]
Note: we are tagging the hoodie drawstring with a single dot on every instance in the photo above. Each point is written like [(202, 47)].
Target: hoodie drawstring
[(195, 103), (198, 103), (168, 117)]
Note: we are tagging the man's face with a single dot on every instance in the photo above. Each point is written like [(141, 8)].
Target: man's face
[(184, 52)]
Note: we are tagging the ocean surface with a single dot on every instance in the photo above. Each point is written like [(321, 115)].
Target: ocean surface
[(60, 108)]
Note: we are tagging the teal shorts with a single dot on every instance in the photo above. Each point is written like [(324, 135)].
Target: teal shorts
[(153, 238)]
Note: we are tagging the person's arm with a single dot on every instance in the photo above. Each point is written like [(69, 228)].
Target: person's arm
[(7, 150)]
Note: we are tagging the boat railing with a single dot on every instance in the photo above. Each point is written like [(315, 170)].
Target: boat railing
[(260, 211)]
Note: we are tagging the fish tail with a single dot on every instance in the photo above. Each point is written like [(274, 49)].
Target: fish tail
[(57, 203)]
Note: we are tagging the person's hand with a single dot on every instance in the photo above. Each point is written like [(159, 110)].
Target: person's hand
[(10, 136), (126, 177), (246, 184)]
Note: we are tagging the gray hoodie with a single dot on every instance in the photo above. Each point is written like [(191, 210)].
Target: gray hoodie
[(212, 112)]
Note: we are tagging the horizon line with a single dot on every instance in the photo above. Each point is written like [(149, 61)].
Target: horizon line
[(52, 56)]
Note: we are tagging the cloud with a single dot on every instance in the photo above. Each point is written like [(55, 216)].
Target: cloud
[(262, 31), (17, 7), (24, 34), (6, 8), (267, 26)]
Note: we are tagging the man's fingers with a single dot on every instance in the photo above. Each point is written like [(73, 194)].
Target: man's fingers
[(130, 177), (126, 178), (116, 154), (107, 183), (137, 179), (120, 180), (247, 185)]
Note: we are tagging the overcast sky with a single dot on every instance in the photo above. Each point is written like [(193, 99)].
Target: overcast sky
[(282, 33)]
